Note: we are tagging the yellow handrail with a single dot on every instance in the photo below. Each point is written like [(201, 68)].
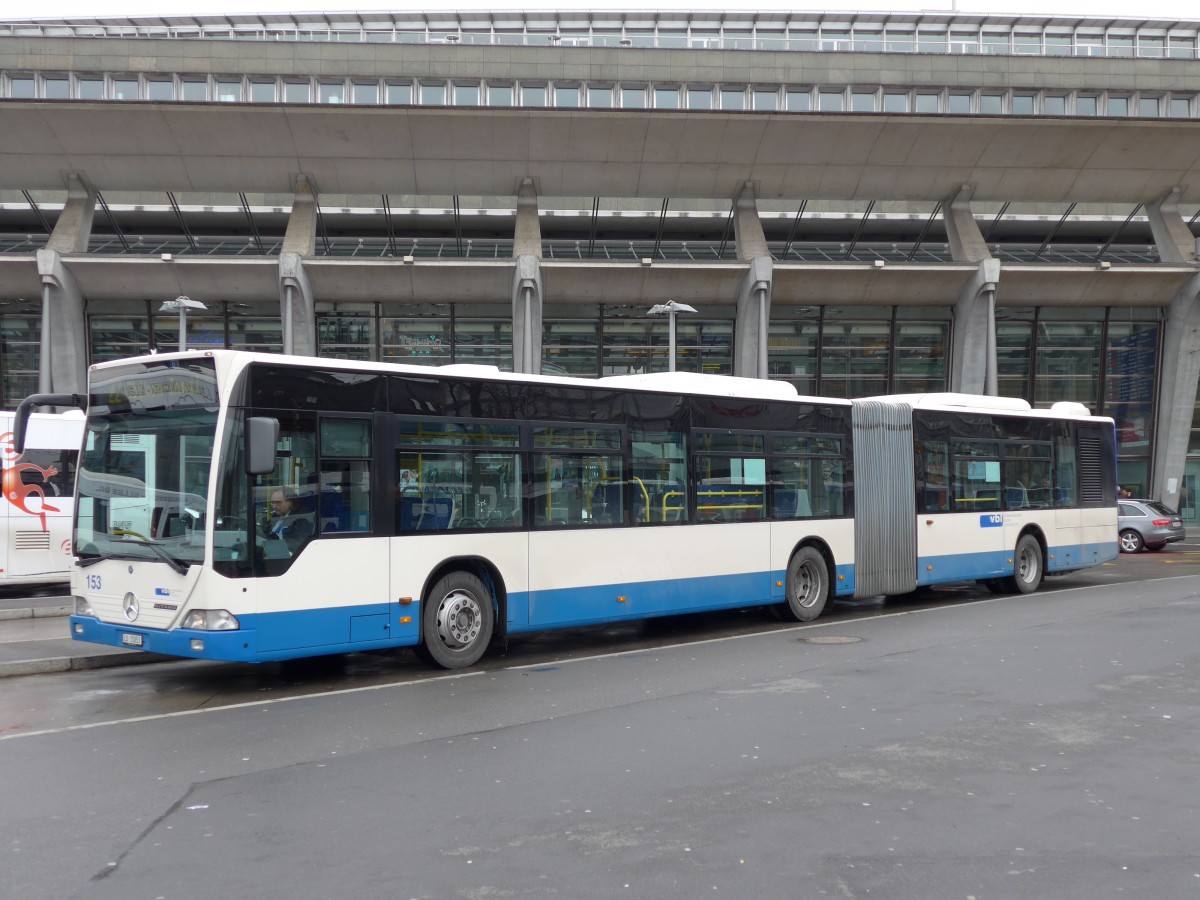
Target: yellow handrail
[(645, 498)]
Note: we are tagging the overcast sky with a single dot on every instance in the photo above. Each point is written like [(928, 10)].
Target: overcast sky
[(10, 9)]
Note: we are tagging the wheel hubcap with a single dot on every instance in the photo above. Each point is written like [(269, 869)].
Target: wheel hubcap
[(459, 620), (808, 586), (1027, 566)]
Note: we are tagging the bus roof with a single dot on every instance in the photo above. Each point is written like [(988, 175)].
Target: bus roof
[(982, 403), (660, 382)]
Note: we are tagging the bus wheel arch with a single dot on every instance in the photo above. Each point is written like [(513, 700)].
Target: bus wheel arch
[(462, 610), (808, 584), (1029, 562)]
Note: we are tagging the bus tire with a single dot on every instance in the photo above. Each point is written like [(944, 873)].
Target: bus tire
[(1028, 567), (457, 619), (807, 585)]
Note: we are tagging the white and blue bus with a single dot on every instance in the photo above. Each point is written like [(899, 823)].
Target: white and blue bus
[(241, 506), (38, 486)]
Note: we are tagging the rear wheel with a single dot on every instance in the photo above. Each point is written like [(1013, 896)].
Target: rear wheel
[(1027, 566), (1131, 541), (457, 619), (807, 585)]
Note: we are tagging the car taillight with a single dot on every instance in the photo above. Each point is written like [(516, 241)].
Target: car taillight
[(1162, 521)]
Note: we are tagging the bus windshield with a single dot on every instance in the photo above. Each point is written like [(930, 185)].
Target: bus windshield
[(143, 473)]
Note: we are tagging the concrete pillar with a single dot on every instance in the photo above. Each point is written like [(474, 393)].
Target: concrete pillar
[(754, 293), (527, 283), (527, 315), (297, 303), (64, 341), (1171, 233), (973, 363), (1180, 369), (962, 231), (753, 317), (297, 306)]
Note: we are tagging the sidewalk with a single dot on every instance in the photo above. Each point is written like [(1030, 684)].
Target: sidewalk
[(35, 638)]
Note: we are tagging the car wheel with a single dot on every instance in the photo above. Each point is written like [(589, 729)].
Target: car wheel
[(1131, 541)]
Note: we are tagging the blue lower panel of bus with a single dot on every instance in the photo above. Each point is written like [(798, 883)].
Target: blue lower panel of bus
[(343, 629), (348, 629), (567, 607), (999, 563)]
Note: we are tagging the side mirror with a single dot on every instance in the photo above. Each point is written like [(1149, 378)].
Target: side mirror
[(262, 437)]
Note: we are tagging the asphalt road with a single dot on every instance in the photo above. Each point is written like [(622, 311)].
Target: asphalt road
[(945, 746)]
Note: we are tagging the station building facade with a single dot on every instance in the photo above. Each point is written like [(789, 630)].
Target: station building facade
[(855, 204)]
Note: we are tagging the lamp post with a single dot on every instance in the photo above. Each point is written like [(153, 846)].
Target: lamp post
[(181, 305), (670, 308)]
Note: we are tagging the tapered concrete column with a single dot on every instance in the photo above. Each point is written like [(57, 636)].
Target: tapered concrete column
[(297, 303), (527, 283), (751, 327), (962, 231), (527, 315), (1177, 393), (973, 365), (73, 229), (1171, 234), (64, 340), (297, 306), (753, 317)]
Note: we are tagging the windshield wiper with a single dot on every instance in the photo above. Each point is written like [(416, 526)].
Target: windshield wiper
[(174, 563)]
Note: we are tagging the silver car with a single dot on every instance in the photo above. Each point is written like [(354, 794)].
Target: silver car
[(1147, 524)]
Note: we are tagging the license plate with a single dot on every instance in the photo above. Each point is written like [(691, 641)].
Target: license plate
[(131, 640)]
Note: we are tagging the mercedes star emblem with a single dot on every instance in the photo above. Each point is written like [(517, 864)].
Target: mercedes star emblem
[(131, 607)]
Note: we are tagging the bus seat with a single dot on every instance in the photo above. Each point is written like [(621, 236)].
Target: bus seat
[(332, 513)]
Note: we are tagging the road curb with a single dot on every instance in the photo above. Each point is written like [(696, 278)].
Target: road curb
[(78, 663), (35, 612)]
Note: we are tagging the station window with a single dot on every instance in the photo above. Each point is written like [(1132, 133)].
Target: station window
[(466, 95), (566, 95), (500, 94), (733, 98), (831, 101), (991, 104), (1054, 105), (928, 103), (534, 95), (799, 100), (22, 87), (1023, 104), (600, 96), (433, 93), (862, 101), (262, 91), (766, 99), (90, 88), (1149, 107), (633, 97), (958, 104), (895, 101), (229, 90), (365, 92), (297, 91), (124, 89), (56, 87)]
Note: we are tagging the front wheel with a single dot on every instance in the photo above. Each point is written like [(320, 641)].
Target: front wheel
[(1027, 566), (1131, 541), (456, 621), (807, 585)]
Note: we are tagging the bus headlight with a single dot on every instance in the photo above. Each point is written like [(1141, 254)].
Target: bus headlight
[(83, 607), (211, 620)]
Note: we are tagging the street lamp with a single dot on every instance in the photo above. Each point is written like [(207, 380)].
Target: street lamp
[(670, 308), (181, 305)]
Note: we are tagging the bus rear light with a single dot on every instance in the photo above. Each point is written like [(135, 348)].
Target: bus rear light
[(211, 620), (83, 607)]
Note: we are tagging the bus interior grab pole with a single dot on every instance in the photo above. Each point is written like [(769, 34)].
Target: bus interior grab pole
[(21, 419)]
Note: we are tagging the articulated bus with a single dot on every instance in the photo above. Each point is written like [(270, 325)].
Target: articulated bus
[(38, 484), (443, 508)]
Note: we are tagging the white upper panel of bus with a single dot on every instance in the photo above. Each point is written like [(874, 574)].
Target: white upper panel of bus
[(960, 402), (49, 431)]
